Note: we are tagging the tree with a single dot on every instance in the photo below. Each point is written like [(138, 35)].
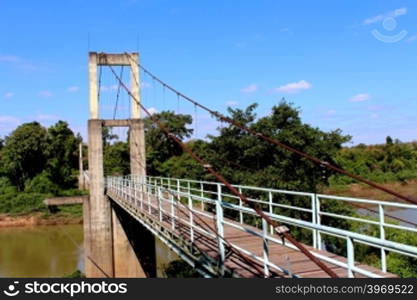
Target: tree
[(159, 147), (62, 154), (117, 159), (267, 164), (108, 136), (23, 154)]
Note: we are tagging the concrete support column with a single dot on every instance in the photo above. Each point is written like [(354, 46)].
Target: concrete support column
[(137, 148), (126, 263), (93, 87), (100, 235), (135, 85), (137, 136)]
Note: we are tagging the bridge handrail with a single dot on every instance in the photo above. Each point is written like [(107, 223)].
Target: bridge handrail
[(317, 229)]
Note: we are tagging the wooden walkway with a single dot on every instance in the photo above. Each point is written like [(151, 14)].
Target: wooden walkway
[(244, 265)]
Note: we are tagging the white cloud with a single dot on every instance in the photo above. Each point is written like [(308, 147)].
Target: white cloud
[(412, 38), (250, 89), (294, 87), (152, 110), (232, 103), (8, 123), (360, 98), (9, 58), (46, 117), (286, 30), (19, 62), (240, 45), (330, 112), (391, 14), (108, 88), (9, 119), (73, 89), (45, 94), (9, 95), (145, 85)]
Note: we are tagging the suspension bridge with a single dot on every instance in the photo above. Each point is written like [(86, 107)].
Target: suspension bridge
[(219, 228)]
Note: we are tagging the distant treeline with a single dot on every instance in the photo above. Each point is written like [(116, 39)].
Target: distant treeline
[(392, 161)]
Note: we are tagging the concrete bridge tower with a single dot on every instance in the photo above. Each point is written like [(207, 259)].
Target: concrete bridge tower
[(108, 251)]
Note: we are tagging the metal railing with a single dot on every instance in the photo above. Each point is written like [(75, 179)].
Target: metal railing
[(311, 213)]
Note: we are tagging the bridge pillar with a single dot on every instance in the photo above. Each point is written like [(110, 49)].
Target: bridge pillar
[(137, 135), (99, 251), (126, 262), (109, 247)]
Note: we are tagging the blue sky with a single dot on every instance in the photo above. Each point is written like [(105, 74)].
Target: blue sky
[(348, 65)]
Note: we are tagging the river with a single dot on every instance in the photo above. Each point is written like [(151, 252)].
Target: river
[(57, 251), (41, 251), (53, 251)]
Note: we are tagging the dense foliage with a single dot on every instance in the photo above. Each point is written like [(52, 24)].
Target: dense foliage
[(36, 163), (392, 161)]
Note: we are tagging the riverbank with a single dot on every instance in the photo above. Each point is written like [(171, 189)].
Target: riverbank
[(406, 188), (38, 218)]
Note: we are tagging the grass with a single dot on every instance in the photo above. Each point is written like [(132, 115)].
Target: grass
[(407, 188)]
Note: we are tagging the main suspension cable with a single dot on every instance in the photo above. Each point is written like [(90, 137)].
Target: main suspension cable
[(278, 143), (275, 225)]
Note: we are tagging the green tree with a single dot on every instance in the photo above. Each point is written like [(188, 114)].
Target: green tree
[(23, 154), (117, 159), (108, 136), (159, 147), (268, 165), (62, 154)]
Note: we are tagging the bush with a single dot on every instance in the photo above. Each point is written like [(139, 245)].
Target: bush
[(41, 184)]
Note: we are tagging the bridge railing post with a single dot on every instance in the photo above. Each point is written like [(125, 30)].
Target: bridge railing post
[(178, 190), (135, 192), (190, 207), (159, 203), (129, 189), (202, 195), (271, 210), (382, 237), (172, 210), (314, 219), (220, 228), (265, 247), (123, 188), (318, 221), (240, 204), (350, 256), (149, 193)]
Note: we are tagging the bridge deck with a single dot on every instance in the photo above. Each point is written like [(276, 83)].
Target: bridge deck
[(289, 259)]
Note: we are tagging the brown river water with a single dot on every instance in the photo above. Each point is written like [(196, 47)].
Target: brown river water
[(53, 251), (41, 251)]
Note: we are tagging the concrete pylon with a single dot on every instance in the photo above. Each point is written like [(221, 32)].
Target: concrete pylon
[(137, 135), (100, 250), (108, 250)]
